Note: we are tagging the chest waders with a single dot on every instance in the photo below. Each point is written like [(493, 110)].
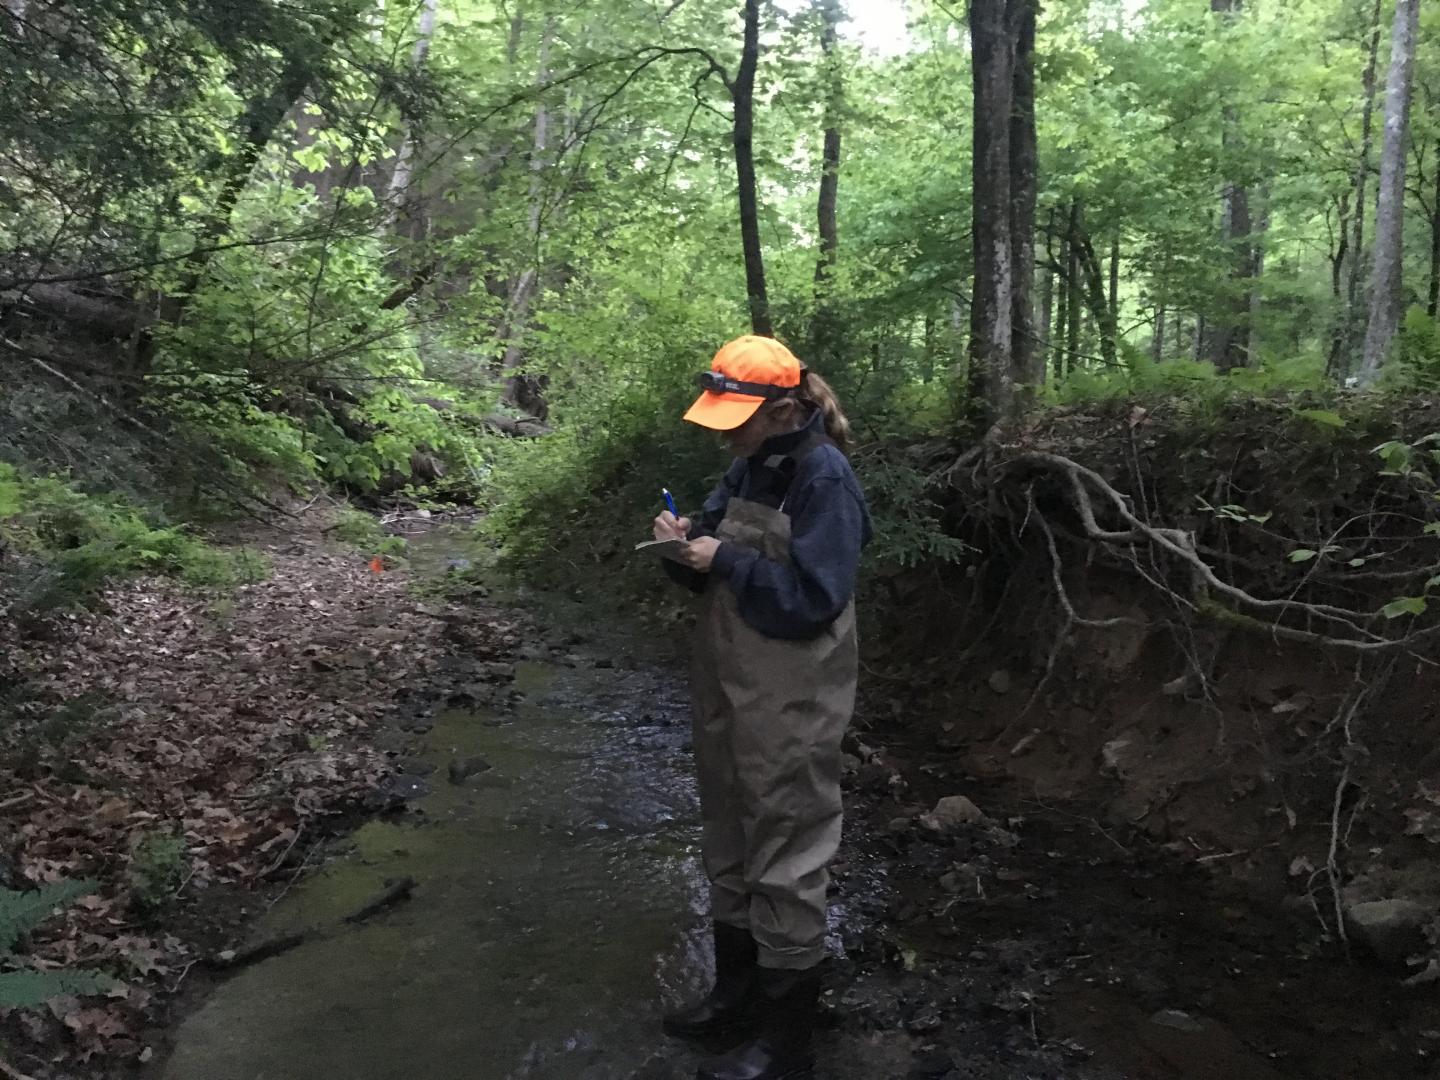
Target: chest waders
[(769, 714)]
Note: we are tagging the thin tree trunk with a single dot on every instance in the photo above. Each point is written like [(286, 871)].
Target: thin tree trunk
[(1047, 307), (927, 364), (1059, 337), (825, 331), (1072, 288), (1386, 273), (1362, 167), (1433, 306), (1228, 338), (1098, 310), (1024, 184), (1199, 343), (1342, 342), (520, 390), (743, 95), (399, 191), (1257, 266), (1157, 339), (1115, 276), (1000, 229), (993, 74)]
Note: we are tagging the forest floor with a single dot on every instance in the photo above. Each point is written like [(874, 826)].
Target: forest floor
[(523, 765)]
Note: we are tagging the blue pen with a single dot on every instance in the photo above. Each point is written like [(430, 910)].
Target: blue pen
[(670, 502)]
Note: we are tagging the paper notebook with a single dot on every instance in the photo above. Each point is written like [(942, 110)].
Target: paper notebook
[(666, 549)]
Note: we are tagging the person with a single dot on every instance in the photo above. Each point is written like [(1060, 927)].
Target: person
[(775, 552)]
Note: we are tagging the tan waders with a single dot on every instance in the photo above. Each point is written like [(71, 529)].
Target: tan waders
[(769, 717)]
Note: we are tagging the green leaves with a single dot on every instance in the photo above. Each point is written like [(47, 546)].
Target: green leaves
[(9, 491), (1300, 555), (1324, 417), (1404, 605), (21, 912), (24, 989)]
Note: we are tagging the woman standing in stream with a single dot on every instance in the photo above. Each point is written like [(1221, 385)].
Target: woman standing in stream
[(775, 552)]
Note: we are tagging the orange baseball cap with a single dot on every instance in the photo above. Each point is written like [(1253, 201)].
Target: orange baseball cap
[(745, 373)]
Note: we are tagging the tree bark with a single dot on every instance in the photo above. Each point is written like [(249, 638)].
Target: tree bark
[(999, 229), (1228, 344), (1024, 193), (1432, 307), (399, 192), (825, 330), (1157, 339), (1257, 269), (743, 96), (1386, 272), (1072, 289), (1047, 306), (523, 391)]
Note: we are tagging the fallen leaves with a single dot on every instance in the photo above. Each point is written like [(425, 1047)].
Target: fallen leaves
[(230, 725)]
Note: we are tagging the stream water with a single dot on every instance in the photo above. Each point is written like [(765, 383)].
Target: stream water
[(560, 906), (559, 900)]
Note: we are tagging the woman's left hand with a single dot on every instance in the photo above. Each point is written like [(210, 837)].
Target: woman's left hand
[(700, 553)]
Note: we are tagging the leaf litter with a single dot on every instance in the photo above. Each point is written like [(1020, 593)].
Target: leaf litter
[(172, 746)]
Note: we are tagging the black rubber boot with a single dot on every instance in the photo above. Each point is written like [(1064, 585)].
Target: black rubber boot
[(788, 1002), (729, 1007)]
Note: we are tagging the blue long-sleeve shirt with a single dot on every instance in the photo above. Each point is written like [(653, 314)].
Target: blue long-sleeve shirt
[(829, 525)]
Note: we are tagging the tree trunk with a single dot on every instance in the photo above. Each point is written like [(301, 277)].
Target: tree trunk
[(825, 330), (1027, 368), (1432, 308), (398, 195), (1257, 268), (1385, 279), (520, 390), (743, 95), (1090, 276), (997, 28), (1115, 277), (1228, 342), (1362, 167), (1072, 289), (1047, 310), (1157, 339)]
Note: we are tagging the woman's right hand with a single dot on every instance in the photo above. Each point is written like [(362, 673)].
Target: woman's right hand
[(669, 527)]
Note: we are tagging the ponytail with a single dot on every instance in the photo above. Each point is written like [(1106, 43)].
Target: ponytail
[(816, 392)]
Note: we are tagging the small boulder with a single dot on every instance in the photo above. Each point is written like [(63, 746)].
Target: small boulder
[(1390, 930), (461, 769), (1000, 681), (1180, 1021), (950, 813)]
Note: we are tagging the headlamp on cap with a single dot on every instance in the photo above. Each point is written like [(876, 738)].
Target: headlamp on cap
[(716, 382)]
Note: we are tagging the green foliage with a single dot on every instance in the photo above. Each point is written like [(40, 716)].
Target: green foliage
[(77, 542), (908, 529), (361, 530), (1417, 363), (158, 866), (21, 912)]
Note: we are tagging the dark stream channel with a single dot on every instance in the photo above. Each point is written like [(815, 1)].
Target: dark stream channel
[(559, 900)]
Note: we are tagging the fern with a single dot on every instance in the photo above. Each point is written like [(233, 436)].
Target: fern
[(23, 989), (21, 912)]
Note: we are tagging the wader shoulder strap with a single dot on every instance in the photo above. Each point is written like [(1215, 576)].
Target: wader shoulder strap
[(770, 481)]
